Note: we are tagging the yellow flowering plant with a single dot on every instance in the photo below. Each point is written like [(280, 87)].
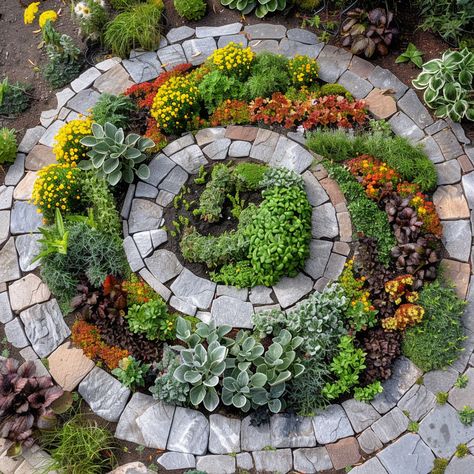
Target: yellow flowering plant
[(176, 104), (57, 187), (68, 148), (30, 12), (48, 15), (233, 59), (303, 70)]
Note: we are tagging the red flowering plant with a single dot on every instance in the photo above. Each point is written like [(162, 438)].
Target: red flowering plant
[(406, 315), (230, 112)]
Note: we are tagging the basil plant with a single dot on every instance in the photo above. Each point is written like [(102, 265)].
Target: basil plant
[(448, 84), (116, 157)]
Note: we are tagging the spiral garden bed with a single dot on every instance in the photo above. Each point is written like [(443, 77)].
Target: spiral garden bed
[(335, 437)]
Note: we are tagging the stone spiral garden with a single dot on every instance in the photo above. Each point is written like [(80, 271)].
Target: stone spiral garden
[(397, 421)]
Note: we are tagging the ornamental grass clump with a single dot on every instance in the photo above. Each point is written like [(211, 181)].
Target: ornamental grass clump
[(8, 146), (67, 147)]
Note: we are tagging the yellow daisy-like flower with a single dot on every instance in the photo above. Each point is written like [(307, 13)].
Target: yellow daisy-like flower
[(30, 12), (48, 15)]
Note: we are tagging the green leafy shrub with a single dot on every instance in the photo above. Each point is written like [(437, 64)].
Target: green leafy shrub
[(369, 392), (262, 7), (437, 341), (466, 415), (138, 27), (90, 253), (14, 97), (334, 89), (248, 176), (122, 5), (447, 83), (152, 319), (114, 155), (191, 9), (131, 372), (269, 74), (115, 109), (413, 54), (8, 146), (308, 5), (216, 87), (79, 446)]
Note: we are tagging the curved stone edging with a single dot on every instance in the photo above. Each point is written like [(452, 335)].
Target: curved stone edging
[(375, 424)]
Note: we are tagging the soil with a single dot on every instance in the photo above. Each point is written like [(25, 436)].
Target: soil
[(190, 198)]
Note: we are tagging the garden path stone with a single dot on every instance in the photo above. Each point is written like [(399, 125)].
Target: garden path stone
[(391, 425), (457, 239), (223, 41), (31, 138), (368, 441), (85, 79), (290, 290), (224, 434), (449, 172), (432, 149), (219, 464), (24, 189), (372, 466), (238, 132), (158, 237), (448, 144), (171, 461), (171, 56), (239, 149), (105, 395), (467, 346), (83, 101), (264, 145), (450, 202), (16, 170), (291, 155), (331, 424), (344, 453), (280, 461), (319, 252), (333, 62), (179, 144), (418, 401), (404, 375), (155, 424), (254, 438), (161, 289), (357, 86), (244, 461), (164, 265), (39, 157), (436, 127), (335, 266), (144, 190), (302, 35), (4, 225), (229, 29), (9, 270), (175, 35), (15, 334), (140, 71), (297, 137), (27, 291), (404, 126), (144, 215), (190, 158), (468, 185), (291, 431), (193, 289), (133, 255), (107, 64), (127, 203), (324, 222), (361, 415), (412, 106), (198, 50), (442, 430), (361, 67), (6, 196), (25, 218), (183, 306), (209, 135), (115, 81), (164, 198), (69, 365), (408, 454), (460, 465), (265, 31), (45, 327), (291, 48), (381, 104), (160, 166), (384, 79), (459, 131), (461, 397), (261, 295), (5, 310), (265, 46), (174, 181), (189, 432), (232, 311), (217, 150), (143, 243), (232, 291), (131, 468), (311, 460)]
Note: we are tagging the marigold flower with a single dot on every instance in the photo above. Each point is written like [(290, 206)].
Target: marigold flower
[(30, 12), (48, 15)]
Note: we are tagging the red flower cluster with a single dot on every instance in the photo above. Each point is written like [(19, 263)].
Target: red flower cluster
[(406, 315), (230, 112), (327, 110)]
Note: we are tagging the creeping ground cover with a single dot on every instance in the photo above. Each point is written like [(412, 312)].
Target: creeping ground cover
[(247, 226)]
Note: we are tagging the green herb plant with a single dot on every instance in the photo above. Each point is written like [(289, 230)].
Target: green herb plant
[(8, 146), (152, 319), (131, 372), (413, 54), (466, 415), (190, 9)]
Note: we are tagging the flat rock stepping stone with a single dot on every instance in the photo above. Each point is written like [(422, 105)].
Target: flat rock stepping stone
[(344, 453), (68, 365), (4, 225), (5, 309), (450, 202), (171, 461), (261, 295), (105, 395), (39, 157), (457, 239), (331, 424), (237, 39), (319, 253), (279, 460), (15, 334), (45, 327), (381, 104), (193, 289), (230, 29), (461, 465), (417, 402), (291, 155), (333, 62), (219, 464), (175, 35), (30, 139), (208, 135), (449, 172), (84, 101), (361, 415), (357, 86), (291, 431), (155, 425), (144, 215), (16, 170), (27, 291), (408, 454), (217, 150), (404, 126), (164, 265), (324, 222), (174, 180), (232, 311), (25, 218), (159, 166), (368, 441), (254, 438), (265, 31), (28, 248), (384, 79), (6, 196), (302, 35), (312, 460), (189, 432), (115, 81), (461, 397), (224, 435), (372, 466), (190, 158), (290, 290), (198, 50), (412, 106), (391, 425)]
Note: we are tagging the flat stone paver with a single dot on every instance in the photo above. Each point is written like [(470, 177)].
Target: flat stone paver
[(189, 432)]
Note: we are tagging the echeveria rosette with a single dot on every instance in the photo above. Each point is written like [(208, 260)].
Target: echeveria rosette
[(448, 84), (262, 7), (116, 156)]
